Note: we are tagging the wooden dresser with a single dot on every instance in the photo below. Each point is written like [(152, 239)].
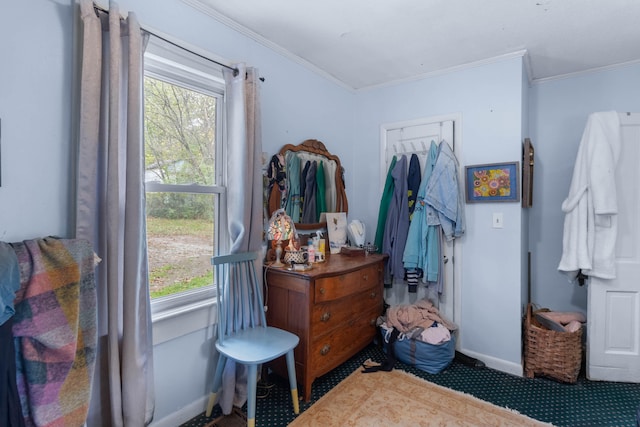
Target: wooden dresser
[(332, 308)]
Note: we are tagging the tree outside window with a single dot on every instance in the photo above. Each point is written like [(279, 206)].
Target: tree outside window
[(182, 196)]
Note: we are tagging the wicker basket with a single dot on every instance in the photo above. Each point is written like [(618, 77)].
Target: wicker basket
[(552, 354)]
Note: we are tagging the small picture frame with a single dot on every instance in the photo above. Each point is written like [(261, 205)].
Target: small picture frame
[(337, 230), (495, 182)]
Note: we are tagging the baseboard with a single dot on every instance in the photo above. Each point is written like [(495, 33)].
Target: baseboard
[(182, 415), (497, 364)]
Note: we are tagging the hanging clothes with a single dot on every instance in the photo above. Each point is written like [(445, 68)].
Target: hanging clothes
[(10, 407), (591, 222), (413, 182), (444, 195), (9, 281), (438, 284), (387, 195), (331, 192), (321, 201), (422, 249), (293, 203), (309, 205), (277, 177), (397, 224), (303, 185)]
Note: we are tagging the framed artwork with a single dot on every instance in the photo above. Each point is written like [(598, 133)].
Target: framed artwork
[(496, 182)]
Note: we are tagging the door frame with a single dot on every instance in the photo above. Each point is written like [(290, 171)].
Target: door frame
[(613, 305), (456, 118)]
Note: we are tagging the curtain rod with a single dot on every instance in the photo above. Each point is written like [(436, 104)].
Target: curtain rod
[(235, 70)]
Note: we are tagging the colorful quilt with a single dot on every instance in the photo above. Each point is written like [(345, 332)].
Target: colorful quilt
[(55, 330)]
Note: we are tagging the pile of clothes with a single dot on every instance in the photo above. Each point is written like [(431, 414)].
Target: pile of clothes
[(418, 335)]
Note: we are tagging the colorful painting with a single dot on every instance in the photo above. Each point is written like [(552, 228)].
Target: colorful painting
[(497, 182)]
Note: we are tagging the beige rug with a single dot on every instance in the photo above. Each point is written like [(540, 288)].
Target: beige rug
[(400, 399)]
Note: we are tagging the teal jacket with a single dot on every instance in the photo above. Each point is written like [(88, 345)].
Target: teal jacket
[(387, 194)]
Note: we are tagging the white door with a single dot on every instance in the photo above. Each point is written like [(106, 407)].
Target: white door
[(613, 307), (415, 137)]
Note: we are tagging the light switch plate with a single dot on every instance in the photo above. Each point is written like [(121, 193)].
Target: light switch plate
[(497, 220)]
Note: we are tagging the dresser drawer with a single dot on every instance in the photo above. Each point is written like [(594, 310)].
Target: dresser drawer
[(333, 308), (327, 351), (335, 287), (342, 313)]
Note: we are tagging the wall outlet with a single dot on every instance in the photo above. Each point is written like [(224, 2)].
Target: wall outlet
[(497, 220)]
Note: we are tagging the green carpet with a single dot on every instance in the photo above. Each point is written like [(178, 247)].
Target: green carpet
[(583, 404)]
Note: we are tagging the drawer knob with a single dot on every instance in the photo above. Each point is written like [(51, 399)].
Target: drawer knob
[(325, 316), (365, 277), (322, 291), (373, 294), (325, 350), (372, 322)]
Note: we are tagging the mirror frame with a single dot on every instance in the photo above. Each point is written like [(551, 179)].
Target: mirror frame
[(315, 147)]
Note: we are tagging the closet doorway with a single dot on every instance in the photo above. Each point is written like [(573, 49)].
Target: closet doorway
[(414, 137)]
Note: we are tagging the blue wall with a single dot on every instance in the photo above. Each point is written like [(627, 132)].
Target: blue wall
[(489, 100), (558, 114), (35, 99), (36, 88)]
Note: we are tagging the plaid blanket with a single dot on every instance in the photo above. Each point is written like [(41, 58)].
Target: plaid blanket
[(55, 330)]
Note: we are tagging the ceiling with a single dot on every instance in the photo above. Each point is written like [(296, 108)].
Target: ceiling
[(365, 43)]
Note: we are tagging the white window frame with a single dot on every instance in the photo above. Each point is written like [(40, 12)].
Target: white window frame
[(178, 66)]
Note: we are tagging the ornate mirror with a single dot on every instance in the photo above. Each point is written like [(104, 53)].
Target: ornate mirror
[(294, 171)]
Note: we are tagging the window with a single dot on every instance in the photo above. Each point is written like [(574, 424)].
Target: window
[(184, 173)]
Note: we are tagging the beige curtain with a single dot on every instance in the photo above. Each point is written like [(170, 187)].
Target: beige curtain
[(244, 200), (110, 212)]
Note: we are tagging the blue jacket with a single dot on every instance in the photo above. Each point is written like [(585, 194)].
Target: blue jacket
[(9, 281), (444, 195), (422, 250)]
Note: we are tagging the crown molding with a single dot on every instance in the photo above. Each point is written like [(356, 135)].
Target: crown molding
[(200, 6), (517, 54), (586, 72)]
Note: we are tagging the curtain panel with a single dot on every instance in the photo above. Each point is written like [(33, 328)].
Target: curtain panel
[(244, 197), (110, 212)]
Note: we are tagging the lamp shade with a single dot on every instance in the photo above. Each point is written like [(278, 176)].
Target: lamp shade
[(280, 226)]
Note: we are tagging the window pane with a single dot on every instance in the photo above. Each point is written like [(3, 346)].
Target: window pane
[(180, 236), (179, 132)]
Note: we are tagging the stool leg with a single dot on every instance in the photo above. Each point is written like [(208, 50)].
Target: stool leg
[(252, 382), (293, 383), (217, 382)]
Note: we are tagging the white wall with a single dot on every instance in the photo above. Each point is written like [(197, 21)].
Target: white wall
[(558, 114)]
